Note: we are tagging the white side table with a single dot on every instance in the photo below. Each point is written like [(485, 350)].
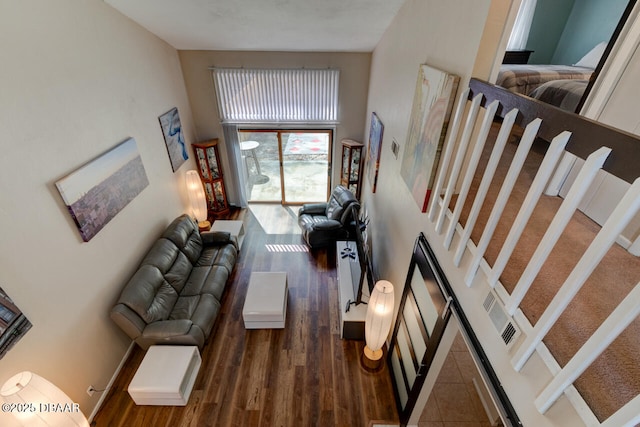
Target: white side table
[(166, 376), (235, 228)]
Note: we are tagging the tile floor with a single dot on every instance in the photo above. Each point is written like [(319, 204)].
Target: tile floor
[(454, 401)]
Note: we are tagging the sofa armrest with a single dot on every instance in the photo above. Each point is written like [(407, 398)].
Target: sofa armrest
[(167, 328), (313, 209), (215, 237), (128, 320)]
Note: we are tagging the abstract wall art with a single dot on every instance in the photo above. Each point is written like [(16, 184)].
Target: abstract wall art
[(430, 114), (97, 191), (373, 152), (174, 138)]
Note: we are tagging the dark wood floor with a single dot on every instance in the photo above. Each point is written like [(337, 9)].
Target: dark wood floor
[(302, 375)]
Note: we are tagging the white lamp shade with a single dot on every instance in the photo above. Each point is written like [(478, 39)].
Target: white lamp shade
[(197, 198), (34, 401), (379, 315)]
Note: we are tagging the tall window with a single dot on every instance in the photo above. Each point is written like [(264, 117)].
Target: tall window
[(277, 96), (520, 32)]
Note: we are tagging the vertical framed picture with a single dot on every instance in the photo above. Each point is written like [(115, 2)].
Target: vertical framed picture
[(97, 191), (430, 114), (373, 152), (174, 138)]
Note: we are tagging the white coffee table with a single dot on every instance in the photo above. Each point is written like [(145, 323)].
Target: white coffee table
[(235, 228), (166, 376), (265, 306)]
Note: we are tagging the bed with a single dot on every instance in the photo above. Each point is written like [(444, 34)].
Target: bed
[(559, 85), (524, 78), (565, 94)]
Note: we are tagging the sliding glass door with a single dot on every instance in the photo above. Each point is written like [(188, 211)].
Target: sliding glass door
[(286, 166)]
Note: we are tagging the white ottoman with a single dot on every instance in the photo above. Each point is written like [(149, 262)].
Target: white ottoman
[(165, 376), (266, 304)]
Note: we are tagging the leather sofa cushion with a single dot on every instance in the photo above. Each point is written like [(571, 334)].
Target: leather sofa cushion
[(172, 263), (186, 236), (149, 294), (202, 310), (218, 255), (206, 280)]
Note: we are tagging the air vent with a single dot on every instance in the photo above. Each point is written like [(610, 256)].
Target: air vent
[(504, 324), (488, 301)]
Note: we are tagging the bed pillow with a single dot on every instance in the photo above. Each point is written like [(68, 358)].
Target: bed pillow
[(591, 59)]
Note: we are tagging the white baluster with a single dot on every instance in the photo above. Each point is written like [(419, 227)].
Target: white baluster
[(460, 154), (483, 189), (446, 157), (617, 221), (609, 330), (528, 205), (560, 220), (470, 171)]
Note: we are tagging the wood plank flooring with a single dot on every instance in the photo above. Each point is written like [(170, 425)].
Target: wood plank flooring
[(302, 375)]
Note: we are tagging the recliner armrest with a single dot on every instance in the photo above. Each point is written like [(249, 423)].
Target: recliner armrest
[(313, 209), (329, 224)]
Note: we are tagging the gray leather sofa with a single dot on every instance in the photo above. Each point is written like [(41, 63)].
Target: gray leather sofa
[(174, 296)]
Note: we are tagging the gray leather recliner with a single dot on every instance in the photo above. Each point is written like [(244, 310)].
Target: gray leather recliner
[(324, 223)]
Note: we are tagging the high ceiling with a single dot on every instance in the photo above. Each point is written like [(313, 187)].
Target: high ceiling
[(272, 25)]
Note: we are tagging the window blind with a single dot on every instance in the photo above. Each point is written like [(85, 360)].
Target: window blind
[(277, 95)]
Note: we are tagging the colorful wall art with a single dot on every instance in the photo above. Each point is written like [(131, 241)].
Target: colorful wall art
[(432, 105), (97, 191), (174, 138)]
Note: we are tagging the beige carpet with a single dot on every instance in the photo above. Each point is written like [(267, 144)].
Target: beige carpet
[(614, 378)]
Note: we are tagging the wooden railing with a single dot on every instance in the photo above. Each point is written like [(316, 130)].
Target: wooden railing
[(603, 148)]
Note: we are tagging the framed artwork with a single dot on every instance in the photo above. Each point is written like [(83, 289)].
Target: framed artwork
[(173, 138), (97, 191), (373, 152), (13, 323), (432, 105)]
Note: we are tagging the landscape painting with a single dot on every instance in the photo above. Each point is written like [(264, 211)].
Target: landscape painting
[(430, 114), (174, 138), (95, 193)]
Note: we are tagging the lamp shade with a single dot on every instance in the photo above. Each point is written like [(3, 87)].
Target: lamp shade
[(196, 196), (379, 315), (34, 401)]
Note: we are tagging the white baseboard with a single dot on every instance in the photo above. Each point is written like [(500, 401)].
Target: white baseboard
[(111, 381)]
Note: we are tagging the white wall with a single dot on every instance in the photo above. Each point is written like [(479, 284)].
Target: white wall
[(445, 35), (77, 79)]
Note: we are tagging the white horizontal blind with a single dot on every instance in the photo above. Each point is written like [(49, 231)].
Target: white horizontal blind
[(271, 95)]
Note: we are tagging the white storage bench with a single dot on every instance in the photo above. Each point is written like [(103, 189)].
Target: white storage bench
[(166, 376), (265, 306)]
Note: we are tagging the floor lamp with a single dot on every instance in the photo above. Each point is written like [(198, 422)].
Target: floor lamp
[(377, 324), (34, 401), (197, 200)]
